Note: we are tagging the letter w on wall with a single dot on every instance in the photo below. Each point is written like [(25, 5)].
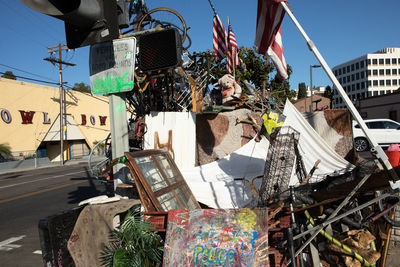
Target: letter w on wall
[(27, 116)]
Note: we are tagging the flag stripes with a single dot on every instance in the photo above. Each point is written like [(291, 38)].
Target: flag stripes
[(268, 33), (219, 38), (232, 55)]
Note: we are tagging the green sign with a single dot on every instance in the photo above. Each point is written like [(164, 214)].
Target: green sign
[(112, 66)]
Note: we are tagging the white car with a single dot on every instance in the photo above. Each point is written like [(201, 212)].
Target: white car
[(384, 131)]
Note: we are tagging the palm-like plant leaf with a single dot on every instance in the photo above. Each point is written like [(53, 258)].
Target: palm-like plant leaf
[(134, 244)]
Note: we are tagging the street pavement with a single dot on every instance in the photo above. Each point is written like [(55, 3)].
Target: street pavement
[(28, 196)]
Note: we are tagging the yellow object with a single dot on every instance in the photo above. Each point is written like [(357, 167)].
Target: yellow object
[(271, 121)]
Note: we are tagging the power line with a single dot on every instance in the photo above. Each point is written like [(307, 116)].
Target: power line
[(37, 75), (21, 77)]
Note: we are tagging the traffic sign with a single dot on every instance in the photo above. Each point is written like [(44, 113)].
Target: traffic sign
[(112, 66)]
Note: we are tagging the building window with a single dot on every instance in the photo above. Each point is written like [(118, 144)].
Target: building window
[(352, 67), (363, 95), (369, 83), (340, 71), (358, 86), (369, 61), (387, 61), (387, 71), (381, 61), (352, 77), (394, 61), (361, 64), (344, 70), (381, 72), (388, 82), (381, 92), (375, 83), (357, 76), (368, 72), (357, 66), (336, 73), (394, 82), (353, 87), (375, 93), (348, 78), (348, 69), (394, 71), (362, 75), (362, 85), (375, 72), (381, 82)]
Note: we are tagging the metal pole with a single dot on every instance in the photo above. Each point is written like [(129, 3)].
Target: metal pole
[(61, 108), (311, 109), (380, 154), (119, 135)]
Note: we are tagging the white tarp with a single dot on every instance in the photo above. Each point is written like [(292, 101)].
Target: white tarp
[(312, 147), (214, 183)]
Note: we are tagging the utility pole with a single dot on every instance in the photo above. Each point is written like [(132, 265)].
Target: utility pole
[(58, 62), (311, 85)]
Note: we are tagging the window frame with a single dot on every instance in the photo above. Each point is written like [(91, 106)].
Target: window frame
[(148, 197)]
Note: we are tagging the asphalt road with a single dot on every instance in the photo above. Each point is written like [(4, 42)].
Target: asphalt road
[(26, 197)]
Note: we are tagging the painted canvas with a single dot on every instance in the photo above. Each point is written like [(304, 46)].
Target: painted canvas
[(216, 237)]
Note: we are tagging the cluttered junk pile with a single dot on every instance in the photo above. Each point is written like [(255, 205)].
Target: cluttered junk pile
[(237, 187), (248, 181)]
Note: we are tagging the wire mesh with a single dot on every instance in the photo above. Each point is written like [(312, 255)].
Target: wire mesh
[(279, 164)]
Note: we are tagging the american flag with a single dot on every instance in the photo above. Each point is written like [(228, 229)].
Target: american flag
[(268, 33), (219, 38), (232, 59)]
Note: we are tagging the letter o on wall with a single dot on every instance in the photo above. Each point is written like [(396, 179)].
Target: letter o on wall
[(92, 120), (6, 116)]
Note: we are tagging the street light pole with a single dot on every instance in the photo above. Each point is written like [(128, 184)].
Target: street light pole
[(311, 86)]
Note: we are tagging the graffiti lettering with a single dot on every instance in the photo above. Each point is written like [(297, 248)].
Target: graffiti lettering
[(112, 84), (213, 255)]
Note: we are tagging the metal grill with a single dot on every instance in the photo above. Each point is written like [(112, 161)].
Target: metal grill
[(279, 164)]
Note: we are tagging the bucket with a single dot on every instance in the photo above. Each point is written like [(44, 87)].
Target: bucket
[(394, 157)]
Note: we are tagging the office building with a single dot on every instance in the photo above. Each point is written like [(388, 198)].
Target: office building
[(373, 74)]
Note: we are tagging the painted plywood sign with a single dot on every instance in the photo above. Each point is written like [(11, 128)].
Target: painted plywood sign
[(112, 66), (217, 238)]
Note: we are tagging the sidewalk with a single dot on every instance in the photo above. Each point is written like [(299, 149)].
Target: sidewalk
[(28, 165)]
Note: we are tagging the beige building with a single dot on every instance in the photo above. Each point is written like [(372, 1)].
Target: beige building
[(380, 107), (29, 120)]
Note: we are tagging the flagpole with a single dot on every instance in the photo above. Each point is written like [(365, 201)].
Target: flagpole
[(212, 7), (380, 154)]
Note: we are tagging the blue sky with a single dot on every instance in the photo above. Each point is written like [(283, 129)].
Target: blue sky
[(341, 30)]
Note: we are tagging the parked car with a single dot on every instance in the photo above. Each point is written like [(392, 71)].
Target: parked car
[(384, 131)]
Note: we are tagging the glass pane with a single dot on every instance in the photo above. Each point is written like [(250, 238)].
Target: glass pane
[(391, 125), (376, 125), (168, 201), (186, 198), (168, 168), (151, 173)]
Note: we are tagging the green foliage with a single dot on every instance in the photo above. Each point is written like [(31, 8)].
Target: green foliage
[(255, 69), (81, 87), (134, 244), (302, 91), (9, 75), (5, 150)]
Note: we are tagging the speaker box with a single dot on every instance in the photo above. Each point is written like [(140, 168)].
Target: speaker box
[(160, 50)]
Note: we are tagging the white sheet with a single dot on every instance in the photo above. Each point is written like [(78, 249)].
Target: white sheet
[(312, 147), (213, 184)]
